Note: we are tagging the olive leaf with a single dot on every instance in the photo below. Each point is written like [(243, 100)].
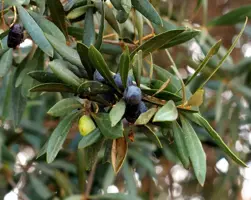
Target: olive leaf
[(35, 31), (59, 135), (166, 113), (118, 154), (104, 123), (195, 151), (117, 112), (90, 139), (64, 107)]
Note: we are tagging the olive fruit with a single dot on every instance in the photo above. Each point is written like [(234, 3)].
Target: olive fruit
[(98, 77), (86, 125), (15, 36), (118, 81), (132, 95), (132, 112)]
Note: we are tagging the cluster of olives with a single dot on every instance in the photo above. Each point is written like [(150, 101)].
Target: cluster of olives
[(132, 96)]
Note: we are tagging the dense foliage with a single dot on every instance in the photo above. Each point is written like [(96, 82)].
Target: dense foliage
[(91, 69)]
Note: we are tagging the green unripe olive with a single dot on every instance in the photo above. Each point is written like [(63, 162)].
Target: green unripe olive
[(86, 125)]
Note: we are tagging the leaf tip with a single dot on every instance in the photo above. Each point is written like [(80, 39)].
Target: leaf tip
[(49, 159)]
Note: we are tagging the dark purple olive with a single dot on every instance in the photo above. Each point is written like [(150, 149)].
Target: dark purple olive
[(133, 111), (118, 81), (133, 95), (15, 36), (98, 77)]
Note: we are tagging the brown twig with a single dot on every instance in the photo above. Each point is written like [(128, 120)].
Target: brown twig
[(21, 195), (149, 36), (2, 15), (118, 43), (109, 35), (90, 179), (151, 192)]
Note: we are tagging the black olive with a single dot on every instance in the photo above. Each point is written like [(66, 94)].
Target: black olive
[(132, 95), (15, 36)]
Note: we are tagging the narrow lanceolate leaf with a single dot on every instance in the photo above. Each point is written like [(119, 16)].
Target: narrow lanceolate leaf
[(44, 77), (196, 99), (59, 135), (37, 62), (163, 87), (181, 38), (146, 9), (143, 161), (203, 122), (127, 5), (3, 35), (59, 68), (91, 153), (124, 66), (20, 71), (166, 113), (117, 4), (66, 52), (39, 187), (213, 51), (51, 87), (63, 182), (6, 62), (69, 5), (99, 40), (18, 105), (164, 95), (118, 154), (99, 63), (226, 55), (83, 52), (151, 66), (179, 142), (42, 150), (47, 26), (104, 123), (149, 131), (233, 17), (163, 75), (88, 88), (64, 107), (137, 66), (117, 112), (218, 102), (157, 42), (109, 16), (58, 15), (139, 25), (111, 49), (90, 139), (35, 31), (77, 12), (5, 95), (81, 173), (128, 173), (195, 151), (89, 30), (145, 117)]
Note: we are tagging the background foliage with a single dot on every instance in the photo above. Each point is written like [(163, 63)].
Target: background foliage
[(46, 81)]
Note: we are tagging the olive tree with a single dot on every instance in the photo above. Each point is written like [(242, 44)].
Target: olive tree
[(91, 69)]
